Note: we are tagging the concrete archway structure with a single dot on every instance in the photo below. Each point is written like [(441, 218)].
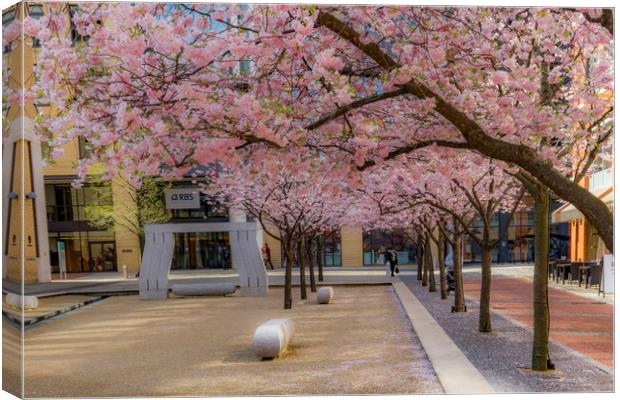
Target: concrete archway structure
[(159, 249)]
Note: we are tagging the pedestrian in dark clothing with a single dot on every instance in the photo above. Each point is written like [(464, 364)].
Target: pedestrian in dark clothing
[(390, 258), (394, 259)]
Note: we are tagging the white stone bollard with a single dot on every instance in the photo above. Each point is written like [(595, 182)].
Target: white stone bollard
[(204, 289), (325, 295), (15, 300), (125, 271), (273, 337)]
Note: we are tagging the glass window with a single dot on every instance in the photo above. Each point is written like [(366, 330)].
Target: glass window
[(64, 203), (375, 242), (84, 251), (74, 256), (35, 11), (201, 250), (75, 35), (53, 244), (83, 148), (332, 249), (8, 17), (244, 67)]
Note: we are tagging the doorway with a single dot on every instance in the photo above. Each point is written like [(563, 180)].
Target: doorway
[(102, 256)]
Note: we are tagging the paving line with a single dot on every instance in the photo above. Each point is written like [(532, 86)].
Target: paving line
[(455, 372)]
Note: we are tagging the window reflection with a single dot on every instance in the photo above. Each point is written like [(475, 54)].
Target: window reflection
[(377, 241), (332, 249)]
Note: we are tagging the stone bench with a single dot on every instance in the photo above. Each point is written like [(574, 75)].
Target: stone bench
[(325, 295), (203, 289), (15, 300), (273, 337)]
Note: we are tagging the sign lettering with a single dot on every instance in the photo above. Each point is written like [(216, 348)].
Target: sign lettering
[(182, 198)]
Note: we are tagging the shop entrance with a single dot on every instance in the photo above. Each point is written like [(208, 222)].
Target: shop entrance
[(102, 256)]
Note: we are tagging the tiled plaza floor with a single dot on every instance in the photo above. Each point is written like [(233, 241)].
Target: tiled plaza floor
[(582, 324)]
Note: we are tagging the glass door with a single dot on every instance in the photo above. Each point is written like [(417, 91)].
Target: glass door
[(102, 256)]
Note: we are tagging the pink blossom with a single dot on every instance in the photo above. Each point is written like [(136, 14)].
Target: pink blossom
[(326, 59)]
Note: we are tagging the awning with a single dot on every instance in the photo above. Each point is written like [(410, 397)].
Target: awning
[(569, 212)]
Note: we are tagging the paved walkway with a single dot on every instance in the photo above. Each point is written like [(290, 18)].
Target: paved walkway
[(526, 271), (504, 355), (581, 324)]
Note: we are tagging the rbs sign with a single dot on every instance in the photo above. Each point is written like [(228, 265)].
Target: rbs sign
[(182, 198)]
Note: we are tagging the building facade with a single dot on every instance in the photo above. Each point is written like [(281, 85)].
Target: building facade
[(585, 243)]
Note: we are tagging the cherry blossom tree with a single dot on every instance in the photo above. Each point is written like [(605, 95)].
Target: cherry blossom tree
[(158, 89), (488, 192), (370, 83), (292, 196)]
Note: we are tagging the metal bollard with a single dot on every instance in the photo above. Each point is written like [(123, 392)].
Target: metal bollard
[(125, 271)]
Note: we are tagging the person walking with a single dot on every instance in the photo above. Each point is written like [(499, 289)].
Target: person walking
[(394, 259), (389, 260), (266, 251)]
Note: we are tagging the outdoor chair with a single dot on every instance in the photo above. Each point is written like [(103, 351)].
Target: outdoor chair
[(584, 273), (562, 271), (596, 273), (552, 265), (574, 271)]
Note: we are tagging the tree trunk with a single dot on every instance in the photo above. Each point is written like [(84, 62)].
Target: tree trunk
[(310, 255), (541, 305), (288, 299), (302, 270), (319, 256), (457, 253), (594, 209), (484, 322), (425, 264), (443, 281), (420, 253), (430, 266)]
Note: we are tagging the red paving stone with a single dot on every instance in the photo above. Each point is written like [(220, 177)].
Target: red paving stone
[(579, 323)]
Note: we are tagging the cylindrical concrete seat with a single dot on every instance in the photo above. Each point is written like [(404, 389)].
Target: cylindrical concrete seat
[(203, 289), (273, 337), (325, 295), (22, 302)]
